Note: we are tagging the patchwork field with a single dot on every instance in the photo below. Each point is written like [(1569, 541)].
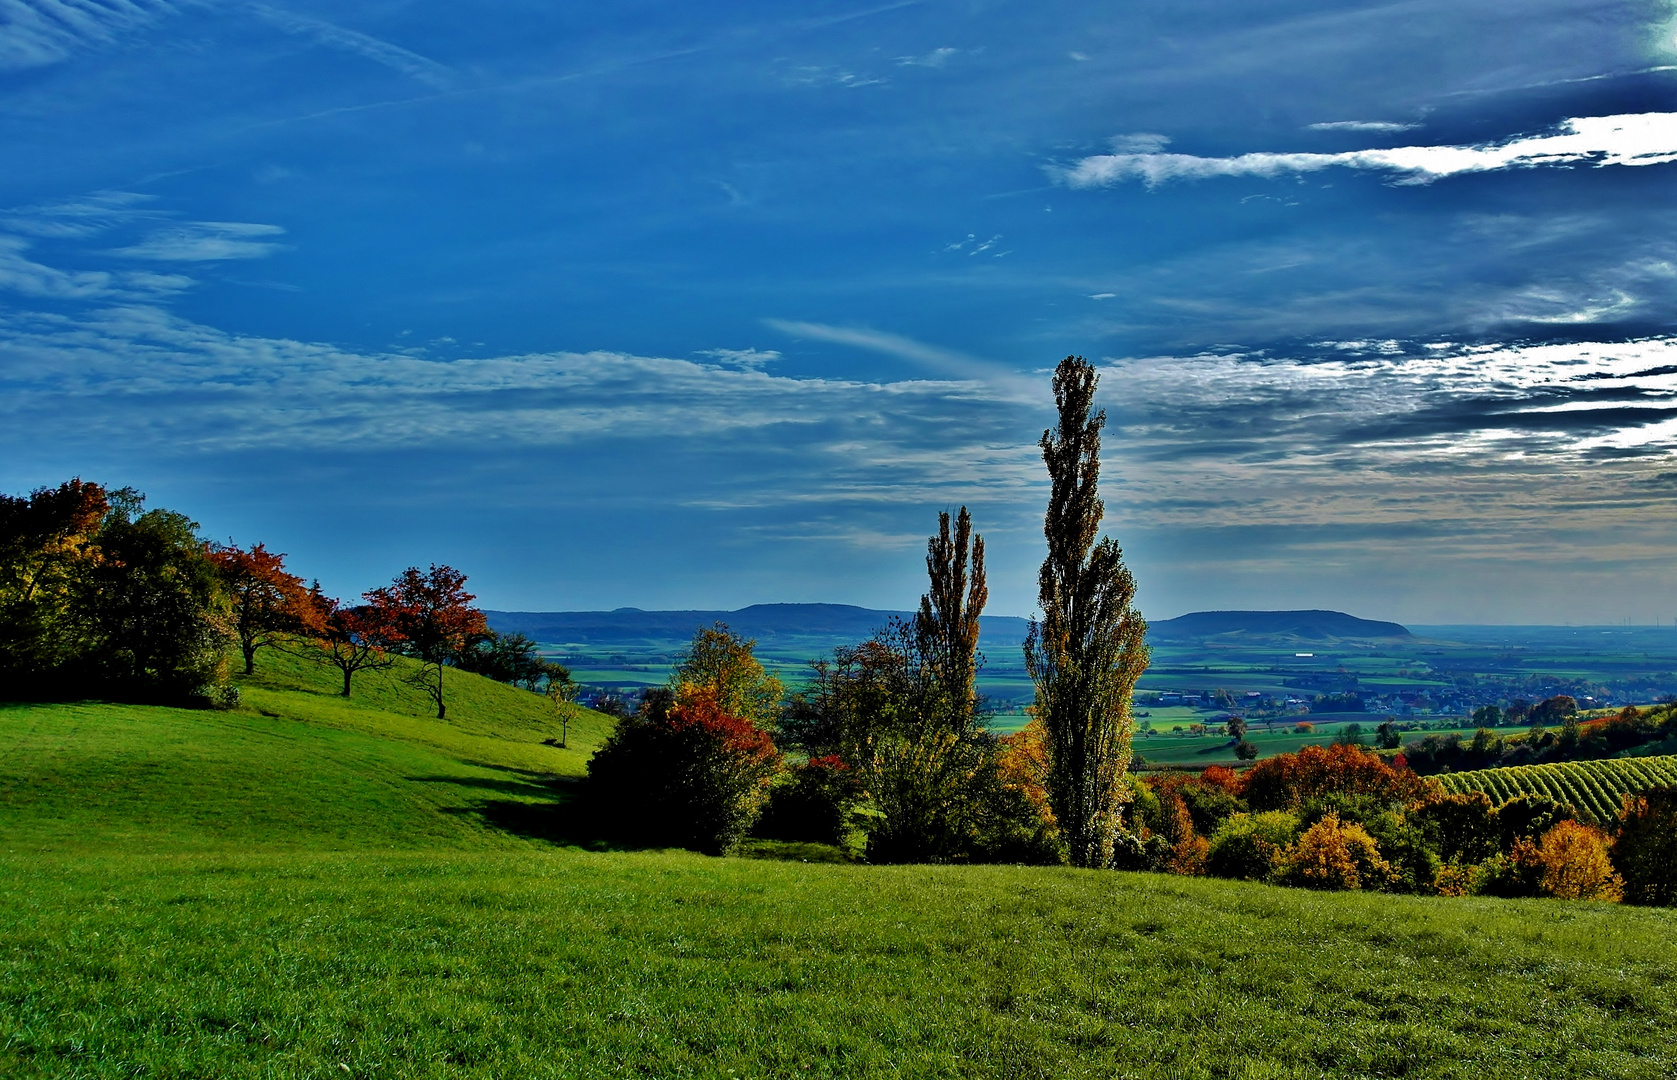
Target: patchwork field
[(314, 888)]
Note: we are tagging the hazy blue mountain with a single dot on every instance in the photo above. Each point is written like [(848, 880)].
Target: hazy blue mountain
[(1301, 625), (768, 623), (773, 624)]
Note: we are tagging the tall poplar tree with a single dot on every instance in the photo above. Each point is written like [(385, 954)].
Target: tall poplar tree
[(1088, 650), (946, 627)]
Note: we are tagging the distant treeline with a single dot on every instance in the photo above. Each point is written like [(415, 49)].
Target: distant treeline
[(1555, 733)]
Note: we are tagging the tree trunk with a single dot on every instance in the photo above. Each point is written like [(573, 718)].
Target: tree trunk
[(347, 674)]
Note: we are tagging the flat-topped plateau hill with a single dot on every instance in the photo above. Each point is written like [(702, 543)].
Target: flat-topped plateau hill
[(1302, 626), (310, 886)]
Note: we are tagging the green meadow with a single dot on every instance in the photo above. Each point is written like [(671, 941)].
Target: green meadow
[(309, 887)]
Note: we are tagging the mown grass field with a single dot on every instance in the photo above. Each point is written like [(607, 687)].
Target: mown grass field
[(340, 890)]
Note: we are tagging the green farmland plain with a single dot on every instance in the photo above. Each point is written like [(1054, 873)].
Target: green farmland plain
[(308, 887)]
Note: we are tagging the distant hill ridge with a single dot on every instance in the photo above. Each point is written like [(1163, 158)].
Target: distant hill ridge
[(770, 621), (1311, 625), (762, 621)]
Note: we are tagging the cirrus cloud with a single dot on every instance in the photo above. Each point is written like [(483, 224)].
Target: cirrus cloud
[(1598, 141)]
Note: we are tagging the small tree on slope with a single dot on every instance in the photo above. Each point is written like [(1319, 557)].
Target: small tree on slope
[(267, 600), (431, 617)]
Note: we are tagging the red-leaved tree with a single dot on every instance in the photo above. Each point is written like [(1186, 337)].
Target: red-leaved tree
[(430, 617), (267, 601), (351, 639)]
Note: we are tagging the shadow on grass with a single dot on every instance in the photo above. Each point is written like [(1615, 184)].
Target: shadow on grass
[(559, 811), (554, 809)]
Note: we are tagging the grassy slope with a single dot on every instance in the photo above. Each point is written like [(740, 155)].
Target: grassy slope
[(325, 892), (298, 767)]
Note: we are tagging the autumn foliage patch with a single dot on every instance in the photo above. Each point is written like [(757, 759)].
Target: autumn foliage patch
[(1341, 817)]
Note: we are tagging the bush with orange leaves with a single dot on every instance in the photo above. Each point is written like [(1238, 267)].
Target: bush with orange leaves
[(1576, 865), (1570, 862), (691, 776), (1023, 767), (1285, 781), (1335, 855)]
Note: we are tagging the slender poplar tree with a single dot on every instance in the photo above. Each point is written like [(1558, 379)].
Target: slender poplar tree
[(946, 627), (1088, 649)]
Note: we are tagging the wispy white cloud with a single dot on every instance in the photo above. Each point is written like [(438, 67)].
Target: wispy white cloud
[(950, 363), (205, 241), (35, 33), (1598, 141), (24, 276), (409, 63), (935, 59), (816, 75), (20, 274), (1361, 125), (79, 218), (245, 390), (751, 359)]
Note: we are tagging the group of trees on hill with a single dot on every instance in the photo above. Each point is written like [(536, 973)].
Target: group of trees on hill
[(102, 597)]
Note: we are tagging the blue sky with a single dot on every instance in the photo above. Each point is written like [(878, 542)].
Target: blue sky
[(676, 305)]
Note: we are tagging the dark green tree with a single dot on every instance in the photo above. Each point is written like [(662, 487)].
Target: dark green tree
[(154, 608), (946, 627), (48, 545), (1088, 649)]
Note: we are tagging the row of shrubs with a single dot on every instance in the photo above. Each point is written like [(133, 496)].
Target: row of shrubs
[(1340, 817)]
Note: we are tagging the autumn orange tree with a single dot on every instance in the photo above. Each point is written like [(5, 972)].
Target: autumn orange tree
[(268, 602), (720, 664), (430, 617)]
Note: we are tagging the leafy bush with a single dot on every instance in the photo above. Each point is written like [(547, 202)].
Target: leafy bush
[(693, 776), (1461, 828), (1529, 816), (1208, 802), (1252, 847), (1645, 851), (819, 802), (1576, 865), (1132, 851), (1332, 855), (1514, 873)]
